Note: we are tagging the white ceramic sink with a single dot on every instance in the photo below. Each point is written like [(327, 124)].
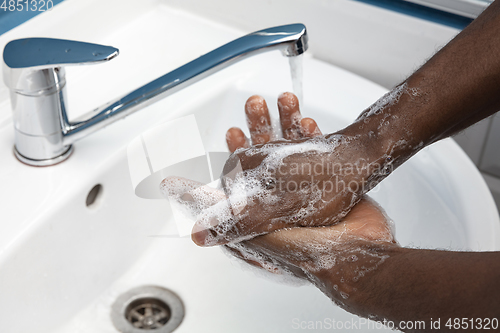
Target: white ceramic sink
[(62, 264)]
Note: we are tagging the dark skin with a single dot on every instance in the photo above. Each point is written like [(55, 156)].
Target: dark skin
[(261, 218), (454, 89)]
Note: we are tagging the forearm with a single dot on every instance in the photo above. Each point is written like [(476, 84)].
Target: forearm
[(417, 285), (459, 85)]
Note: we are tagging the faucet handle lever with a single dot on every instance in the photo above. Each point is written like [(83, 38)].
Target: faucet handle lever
[(41, 53)]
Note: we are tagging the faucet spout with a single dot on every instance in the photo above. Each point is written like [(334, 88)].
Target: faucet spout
[(290, 39)]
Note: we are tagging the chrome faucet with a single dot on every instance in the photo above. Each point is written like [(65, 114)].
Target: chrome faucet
[(34, 72)]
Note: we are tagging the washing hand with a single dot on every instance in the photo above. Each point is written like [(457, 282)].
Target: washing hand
[(332, 257), (305, 180)]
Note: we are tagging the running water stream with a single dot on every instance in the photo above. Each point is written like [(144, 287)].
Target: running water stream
[(296, 71)]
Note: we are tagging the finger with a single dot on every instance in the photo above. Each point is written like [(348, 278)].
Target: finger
[(216, 224), (235, 138), (175, 187), (309, 128), (234, 252), (239, 255), (258, 119), (233, 220), (288, 106), (191, 194), (254, 258), (204, 196)]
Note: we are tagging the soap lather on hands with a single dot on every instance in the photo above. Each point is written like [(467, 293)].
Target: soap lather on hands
[(307, 179), (252, 204)]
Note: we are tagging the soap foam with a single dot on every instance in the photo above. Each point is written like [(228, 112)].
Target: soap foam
[(389, 99), (270, 268), (320, 253), (218, 212), (248, 187), (215, 211)]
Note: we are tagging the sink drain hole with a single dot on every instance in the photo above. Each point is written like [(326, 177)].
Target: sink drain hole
[(148, 313), (147, 308)]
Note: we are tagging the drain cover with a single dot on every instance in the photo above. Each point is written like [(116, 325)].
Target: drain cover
[(147, 313), (147, 308)]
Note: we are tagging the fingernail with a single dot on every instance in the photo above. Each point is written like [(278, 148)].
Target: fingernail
[(308, 125), (200, 236), (187, 197)]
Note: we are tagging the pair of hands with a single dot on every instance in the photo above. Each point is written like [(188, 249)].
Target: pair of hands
[(268, 194)]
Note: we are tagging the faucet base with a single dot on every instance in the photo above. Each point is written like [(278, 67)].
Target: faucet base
[(48, 162)]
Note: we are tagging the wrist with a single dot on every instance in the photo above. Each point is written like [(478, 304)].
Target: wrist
[(389, 131), (367, 158)]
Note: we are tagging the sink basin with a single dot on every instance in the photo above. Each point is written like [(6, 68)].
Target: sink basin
[(65, 257)]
